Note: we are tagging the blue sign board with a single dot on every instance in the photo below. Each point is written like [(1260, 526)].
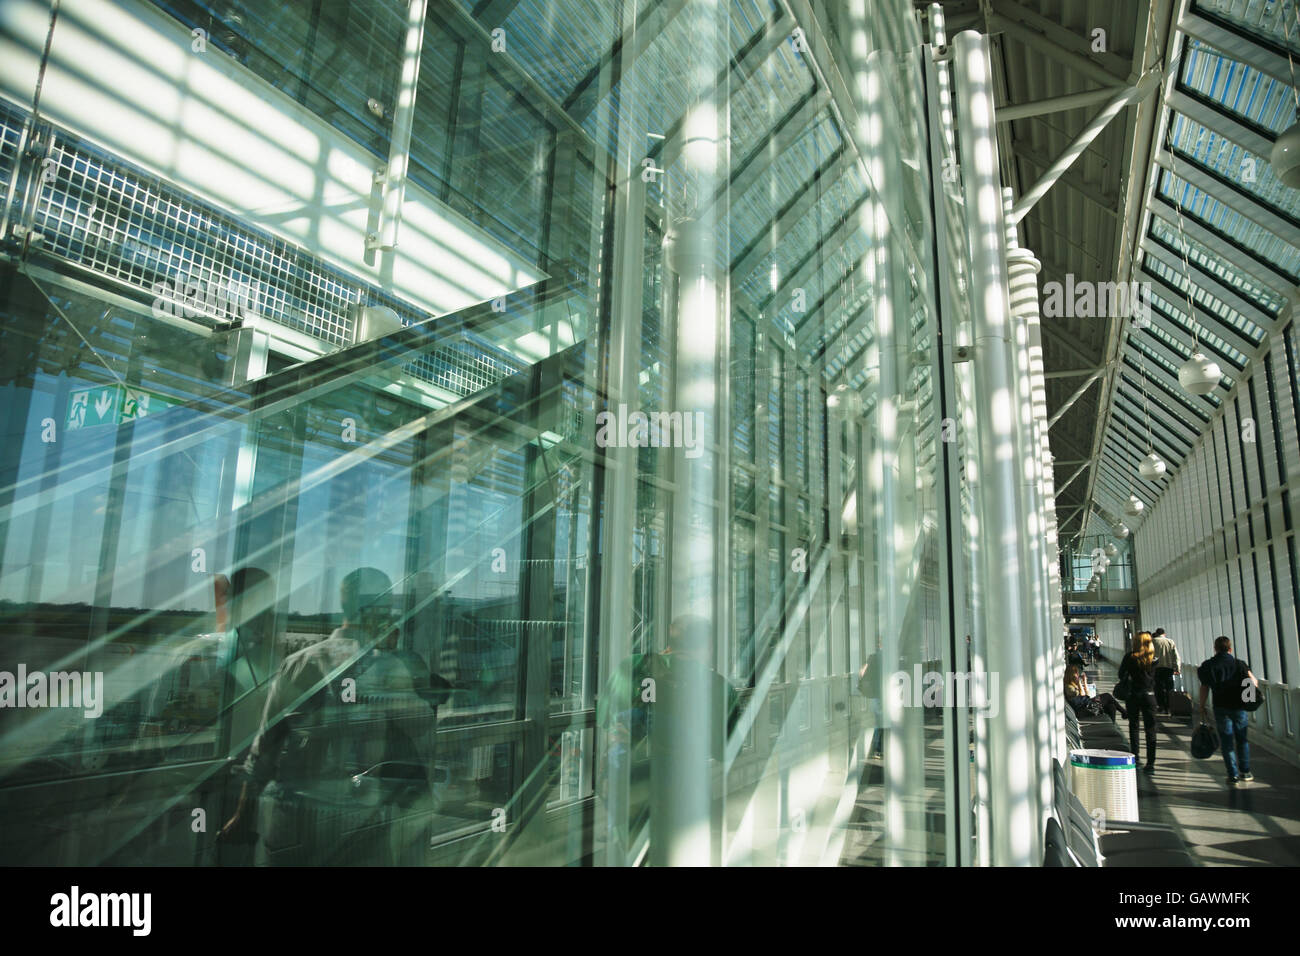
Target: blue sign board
[(1126, 609)]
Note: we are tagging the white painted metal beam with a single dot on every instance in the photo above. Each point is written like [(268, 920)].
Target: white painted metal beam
[(1055, 104), (1121, 99)]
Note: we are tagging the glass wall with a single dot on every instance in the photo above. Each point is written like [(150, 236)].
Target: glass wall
[(1098, 564), (588, 511)]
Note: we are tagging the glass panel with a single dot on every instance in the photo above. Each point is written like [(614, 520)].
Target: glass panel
[(1175, 312), (1210, 303), (563, 529), (1168, 236), (1238, 88), (1210, 211), (1212, 151), (1273, 22)]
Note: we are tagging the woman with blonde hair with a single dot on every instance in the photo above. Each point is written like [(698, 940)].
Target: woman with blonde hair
[(1137, 687), (1079, 696)]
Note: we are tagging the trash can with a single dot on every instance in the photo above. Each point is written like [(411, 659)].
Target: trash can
[(1105, 780)]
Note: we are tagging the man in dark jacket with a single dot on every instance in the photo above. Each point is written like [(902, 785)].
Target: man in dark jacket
[(1233, 684)]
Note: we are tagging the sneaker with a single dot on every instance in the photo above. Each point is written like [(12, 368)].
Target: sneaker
[(1247, 777), (1233, 781), (1149, 768)]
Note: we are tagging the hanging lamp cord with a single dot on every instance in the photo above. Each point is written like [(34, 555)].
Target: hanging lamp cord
[(1286, 27), (1183, 246)]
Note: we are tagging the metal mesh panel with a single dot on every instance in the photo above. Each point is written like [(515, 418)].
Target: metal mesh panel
[(100, 213), (9, 136), (141, 231)]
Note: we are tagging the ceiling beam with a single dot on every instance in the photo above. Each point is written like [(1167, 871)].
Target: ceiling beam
[(1073, 372), (747, 61), (1060, 43), (1215, 325), (620, 57), (1078, 394), (1242, 262), (1105, 202), (789, 128), (1122, 98), (1068, 481), (805, 197), (1175, 434), (1209, 284), (1055, 104)]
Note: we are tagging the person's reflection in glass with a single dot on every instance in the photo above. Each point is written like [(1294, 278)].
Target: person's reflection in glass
[(189, 711), (214, 670), (870, 686), (343, 762), (636, 725)]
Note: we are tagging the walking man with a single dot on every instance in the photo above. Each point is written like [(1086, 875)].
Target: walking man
[(1167, 665), (1233, 684)]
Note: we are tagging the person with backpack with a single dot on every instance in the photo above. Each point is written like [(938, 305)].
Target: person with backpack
[(1233, 685), (1137, 688)]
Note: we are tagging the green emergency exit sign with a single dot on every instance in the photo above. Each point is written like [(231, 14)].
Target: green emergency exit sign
[(110, 405)]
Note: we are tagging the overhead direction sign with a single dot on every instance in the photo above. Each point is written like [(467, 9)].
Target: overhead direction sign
[(1122, 609)]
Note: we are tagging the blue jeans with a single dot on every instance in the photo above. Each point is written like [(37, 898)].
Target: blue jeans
[(1232, 726)]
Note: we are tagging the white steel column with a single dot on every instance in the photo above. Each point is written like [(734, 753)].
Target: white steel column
[(1023, 267), (399, 147), (623, 357), (686, 773), (1014, 817)]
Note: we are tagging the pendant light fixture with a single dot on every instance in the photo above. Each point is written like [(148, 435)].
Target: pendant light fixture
[(1285, 155), (1199, 375), (1133, 506), (1152, 466), (1111, 550), (1122, 531)]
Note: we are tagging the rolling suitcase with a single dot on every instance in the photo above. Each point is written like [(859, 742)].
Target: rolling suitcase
[(1180, 704)]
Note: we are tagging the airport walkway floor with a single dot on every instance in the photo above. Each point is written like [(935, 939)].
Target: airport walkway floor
[(1250, 824)]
